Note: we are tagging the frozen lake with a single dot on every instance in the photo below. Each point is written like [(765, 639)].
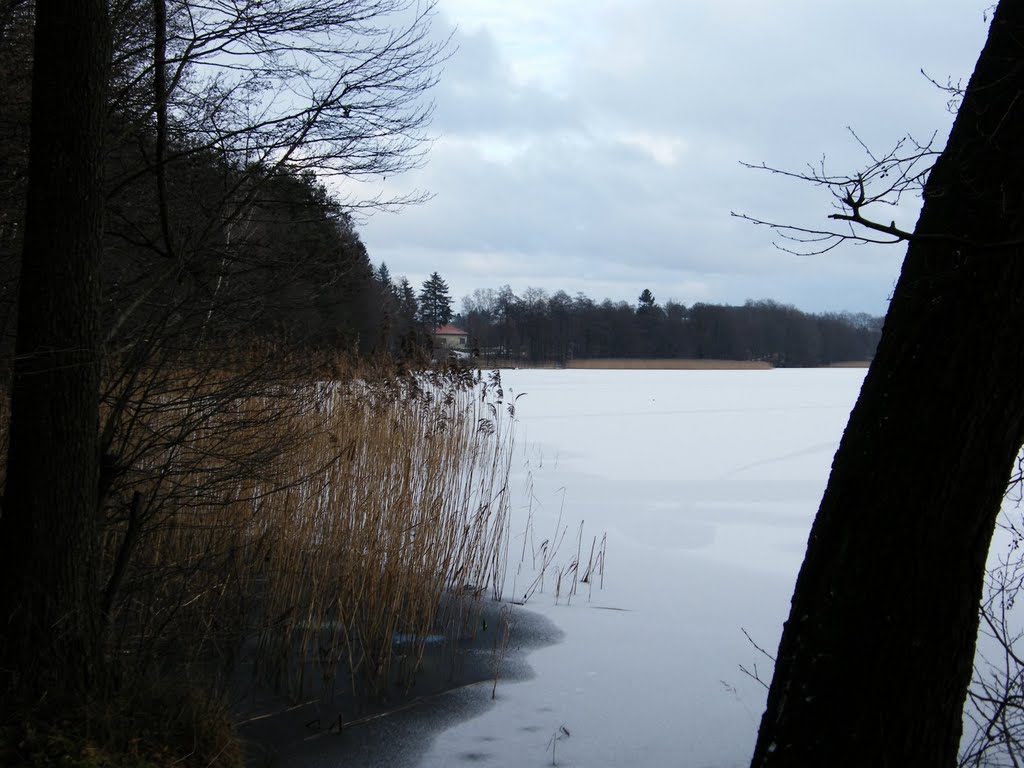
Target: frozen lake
[(706, 483)]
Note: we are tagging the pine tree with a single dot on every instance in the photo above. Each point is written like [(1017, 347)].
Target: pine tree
[(383, 275), (435, 302), (646, 301), (407, 305)]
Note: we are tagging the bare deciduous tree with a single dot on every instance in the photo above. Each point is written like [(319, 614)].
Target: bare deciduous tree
[(895, 565), (49, 521)]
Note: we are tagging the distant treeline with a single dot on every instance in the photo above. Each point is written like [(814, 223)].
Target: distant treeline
[(557, 327)]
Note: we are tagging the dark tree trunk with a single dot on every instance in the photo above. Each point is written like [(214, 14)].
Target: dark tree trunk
[(876, 656), (49, 598)]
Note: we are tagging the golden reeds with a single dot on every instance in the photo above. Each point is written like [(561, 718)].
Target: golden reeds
[(851, 364), (315, 527)]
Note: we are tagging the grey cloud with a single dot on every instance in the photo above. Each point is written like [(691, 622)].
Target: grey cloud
[(565, 190), (477, 96)]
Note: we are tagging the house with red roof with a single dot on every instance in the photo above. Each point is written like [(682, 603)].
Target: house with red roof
[(451, 337)]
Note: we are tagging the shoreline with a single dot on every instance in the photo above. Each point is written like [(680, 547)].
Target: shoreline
[(455, 684), (653, 364)]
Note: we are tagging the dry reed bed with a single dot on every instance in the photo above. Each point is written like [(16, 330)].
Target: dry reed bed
[(311, 525), (851, 364)]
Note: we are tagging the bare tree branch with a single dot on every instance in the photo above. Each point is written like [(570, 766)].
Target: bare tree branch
[(885, 181)]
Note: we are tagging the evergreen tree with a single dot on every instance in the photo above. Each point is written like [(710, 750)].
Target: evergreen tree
[(646, 301), (435, 302), (383, 275), (407, 305)]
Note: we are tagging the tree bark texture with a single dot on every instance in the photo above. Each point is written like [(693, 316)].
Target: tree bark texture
[(877, 654), (49, 598)]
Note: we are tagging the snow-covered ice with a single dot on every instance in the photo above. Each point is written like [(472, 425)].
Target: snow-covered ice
[(706, 483)]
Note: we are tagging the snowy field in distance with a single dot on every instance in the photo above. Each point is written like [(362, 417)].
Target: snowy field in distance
[(706, 483)]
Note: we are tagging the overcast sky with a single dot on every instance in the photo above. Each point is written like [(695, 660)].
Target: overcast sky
[(595, 145)]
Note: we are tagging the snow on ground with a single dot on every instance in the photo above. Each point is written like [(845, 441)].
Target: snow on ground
[(706, 483)]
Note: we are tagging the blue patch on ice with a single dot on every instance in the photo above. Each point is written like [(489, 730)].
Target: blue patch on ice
[(399, 638)]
